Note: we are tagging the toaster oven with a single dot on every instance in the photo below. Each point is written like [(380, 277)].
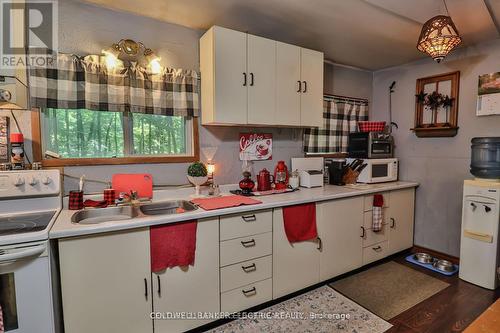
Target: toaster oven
[(370, 145)]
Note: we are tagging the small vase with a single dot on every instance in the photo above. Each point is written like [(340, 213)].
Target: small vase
[(197, 182)]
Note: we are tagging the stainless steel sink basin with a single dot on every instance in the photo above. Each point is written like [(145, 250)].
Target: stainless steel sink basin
[(100, 215), (167, 207)]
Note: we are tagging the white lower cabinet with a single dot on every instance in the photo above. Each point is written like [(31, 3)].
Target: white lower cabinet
[(246, 296), (339, 225), (295, 266), (190, 289), (401, 215), (106, 283)]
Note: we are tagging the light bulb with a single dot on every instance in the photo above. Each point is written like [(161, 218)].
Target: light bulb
[(210, 168), (111, 61), (155, 66)]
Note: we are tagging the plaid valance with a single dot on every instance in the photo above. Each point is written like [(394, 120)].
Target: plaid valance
[(86, 83), (340, 117)]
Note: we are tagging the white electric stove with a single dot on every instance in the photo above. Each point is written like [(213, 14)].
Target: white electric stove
[(29, 204)]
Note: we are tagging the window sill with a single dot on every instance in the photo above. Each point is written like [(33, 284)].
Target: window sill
[(117, 161)]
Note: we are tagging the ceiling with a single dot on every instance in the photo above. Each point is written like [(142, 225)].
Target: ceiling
[(370, 34)]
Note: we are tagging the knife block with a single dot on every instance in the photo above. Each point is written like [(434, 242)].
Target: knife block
[(350, 177)]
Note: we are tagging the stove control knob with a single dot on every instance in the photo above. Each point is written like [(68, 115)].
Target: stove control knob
[(19, 182), (46, 181), (33, 181)]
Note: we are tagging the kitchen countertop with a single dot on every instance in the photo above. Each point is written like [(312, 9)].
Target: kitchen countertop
[(64, 228)]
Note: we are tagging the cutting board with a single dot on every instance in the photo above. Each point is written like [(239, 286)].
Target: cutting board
[(140, 182)]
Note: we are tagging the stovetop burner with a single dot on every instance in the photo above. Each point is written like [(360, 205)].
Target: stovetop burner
[(22, 223)]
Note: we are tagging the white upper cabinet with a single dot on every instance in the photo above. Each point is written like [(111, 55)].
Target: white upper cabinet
[(223, 64), (311, 98), (288, 84), (251, 80), (261, 80)]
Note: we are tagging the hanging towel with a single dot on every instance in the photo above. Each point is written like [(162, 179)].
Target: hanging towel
[(224, 201), (300, 222), (377, 214), (1, 320), (172, 245)]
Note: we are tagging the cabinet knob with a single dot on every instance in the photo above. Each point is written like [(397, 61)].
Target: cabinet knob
[(249, 292), (251, 79), (244, 79), (300, 86), (363, 232), (249, 218), (249, 268), (393, 223), (305, 86), (320, 244)]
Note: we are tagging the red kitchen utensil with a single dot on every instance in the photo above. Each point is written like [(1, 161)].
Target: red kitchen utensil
[(140, 182)]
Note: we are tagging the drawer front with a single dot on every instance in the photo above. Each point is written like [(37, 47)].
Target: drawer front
[(244, 273), (245, 248), (372, 237), (368, 218), (242, 225), (369, 201), (375, 252), (247, 296)]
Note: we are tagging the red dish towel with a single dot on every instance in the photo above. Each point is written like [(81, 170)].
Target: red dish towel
[(300, 222), (377, 214), (224, 201), (172, 245), (1, 320)]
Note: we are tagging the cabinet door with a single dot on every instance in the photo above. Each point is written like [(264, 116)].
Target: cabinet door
[(193, 288), (339, 227), (230, 67), (311, 100), (261, 57), (288, 84), (401, 219), (295, 266), (106, 283)]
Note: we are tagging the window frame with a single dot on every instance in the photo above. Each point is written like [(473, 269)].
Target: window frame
[(38, 155)]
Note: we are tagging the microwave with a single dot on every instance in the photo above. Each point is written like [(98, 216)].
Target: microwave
[(378, 170), (370, 145)]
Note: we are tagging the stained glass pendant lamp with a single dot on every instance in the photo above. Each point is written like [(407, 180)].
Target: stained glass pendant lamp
[(438, 37)]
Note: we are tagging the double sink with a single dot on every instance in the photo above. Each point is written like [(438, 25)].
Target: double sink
[(119, 213)]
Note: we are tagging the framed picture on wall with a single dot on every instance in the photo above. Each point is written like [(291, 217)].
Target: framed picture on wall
[(256, 146), (4, 139), (488, 94)]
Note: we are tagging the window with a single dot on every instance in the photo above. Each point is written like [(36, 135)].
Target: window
[(84, 137)]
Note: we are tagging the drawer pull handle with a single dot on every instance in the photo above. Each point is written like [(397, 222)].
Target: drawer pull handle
[(249, 268), (363, 232), (249, 292), (378, 248), (393, 223), (249, 218), (320, 244), (249, 243)]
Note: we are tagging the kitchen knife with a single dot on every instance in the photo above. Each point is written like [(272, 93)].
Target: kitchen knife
[(361, 167)]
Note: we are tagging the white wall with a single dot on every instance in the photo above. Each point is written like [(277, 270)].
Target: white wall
[(439, 164), (87, 29)]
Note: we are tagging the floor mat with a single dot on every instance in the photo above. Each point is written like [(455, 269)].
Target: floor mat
[(389, 289), (322, 310)]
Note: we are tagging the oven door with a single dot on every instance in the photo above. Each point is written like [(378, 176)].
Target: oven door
[(25, 290), (381, 149)]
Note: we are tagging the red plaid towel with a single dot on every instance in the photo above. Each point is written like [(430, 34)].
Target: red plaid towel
[(377, 214)]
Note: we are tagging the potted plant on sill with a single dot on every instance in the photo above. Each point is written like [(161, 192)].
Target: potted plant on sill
[(197, 175)]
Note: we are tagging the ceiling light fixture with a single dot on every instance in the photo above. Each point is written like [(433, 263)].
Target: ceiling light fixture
[(129, 51), (438, 36)]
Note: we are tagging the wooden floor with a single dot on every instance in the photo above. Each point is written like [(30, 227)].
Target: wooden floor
[(450, 310)]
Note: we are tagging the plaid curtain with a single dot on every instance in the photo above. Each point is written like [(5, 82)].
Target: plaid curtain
[(340, 117), (86, 83)]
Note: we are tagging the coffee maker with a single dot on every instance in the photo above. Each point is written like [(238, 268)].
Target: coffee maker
[(334, 169)]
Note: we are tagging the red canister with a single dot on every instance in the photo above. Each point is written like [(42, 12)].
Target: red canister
[(75, 201), (109, 196)]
